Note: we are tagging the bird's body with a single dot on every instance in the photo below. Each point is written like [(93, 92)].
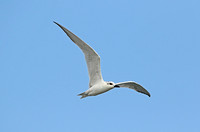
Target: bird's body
[(96, 89), (97, 85)]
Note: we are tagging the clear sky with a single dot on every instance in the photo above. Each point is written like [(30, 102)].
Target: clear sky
[(153, 42)]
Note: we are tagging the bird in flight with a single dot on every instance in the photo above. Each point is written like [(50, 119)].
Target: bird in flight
[(97, 85)]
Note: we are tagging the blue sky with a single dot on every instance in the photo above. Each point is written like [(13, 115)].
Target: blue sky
[(155, 43)]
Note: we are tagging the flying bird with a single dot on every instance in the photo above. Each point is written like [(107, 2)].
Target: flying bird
[(96, 84)]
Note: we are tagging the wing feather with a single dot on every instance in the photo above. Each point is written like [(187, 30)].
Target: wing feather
[(133, 85), (91, 57)]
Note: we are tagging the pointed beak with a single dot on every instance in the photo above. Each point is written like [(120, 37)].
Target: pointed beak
[(116, 86)]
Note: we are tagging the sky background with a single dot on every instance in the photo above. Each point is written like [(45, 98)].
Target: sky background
[(153, 42)]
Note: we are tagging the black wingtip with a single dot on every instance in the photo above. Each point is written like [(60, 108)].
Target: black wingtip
[(60, 26), (55, 23), (148, 94)]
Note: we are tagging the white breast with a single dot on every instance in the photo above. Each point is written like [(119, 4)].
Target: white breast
[(99, 88)]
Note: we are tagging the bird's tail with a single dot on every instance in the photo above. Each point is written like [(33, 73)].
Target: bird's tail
[(83, 95)]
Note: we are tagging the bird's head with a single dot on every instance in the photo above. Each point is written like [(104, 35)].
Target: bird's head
[(112, 84)]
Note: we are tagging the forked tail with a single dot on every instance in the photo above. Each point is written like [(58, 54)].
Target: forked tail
[(83, 95)]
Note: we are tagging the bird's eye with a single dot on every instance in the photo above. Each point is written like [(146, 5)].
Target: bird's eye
[(110, 83)]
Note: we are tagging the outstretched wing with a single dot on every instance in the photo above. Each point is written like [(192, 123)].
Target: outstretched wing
[(92, 58), (133, 85)]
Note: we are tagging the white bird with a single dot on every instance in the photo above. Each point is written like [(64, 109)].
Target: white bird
[(97, 85)]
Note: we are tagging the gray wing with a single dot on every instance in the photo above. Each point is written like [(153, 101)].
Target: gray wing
[(135, 86), (92, 58)]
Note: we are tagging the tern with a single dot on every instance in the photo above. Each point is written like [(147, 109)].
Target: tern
[(96, 84)]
